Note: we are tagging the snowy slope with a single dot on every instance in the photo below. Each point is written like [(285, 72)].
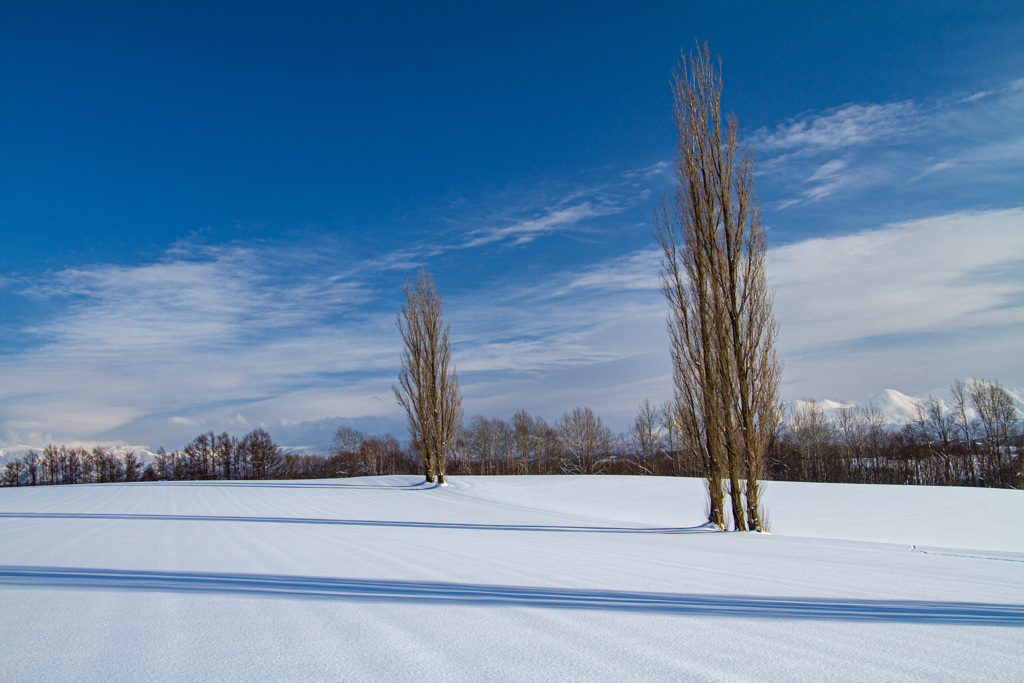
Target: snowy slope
[(945, 396), (898, 408), (895, 406), (517, 578), (827, 405), (13, 451)]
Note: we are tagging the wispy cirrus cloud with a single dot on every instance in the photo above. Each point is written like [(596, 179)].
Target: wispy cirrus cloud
[(638, 270), (187, 339), (838, 128), (936, 168), (936, 274), (553, 219), (655, 170), (950, 147), (823, 182), (194, 296), (249, 333), (982, 94), (906, 305), (592, 335), (509, 223), (511, 219), (563, 308)]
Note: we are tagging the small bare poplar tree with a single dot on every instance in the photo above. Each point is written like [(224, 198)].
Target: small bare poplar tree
[(584, 440), (428, 386), (646, 437), (721, 326)]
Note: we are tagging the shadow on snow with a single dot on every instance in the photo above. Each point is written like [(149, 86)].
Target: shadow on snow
[(284, 484), (358, 522), (432, 592)]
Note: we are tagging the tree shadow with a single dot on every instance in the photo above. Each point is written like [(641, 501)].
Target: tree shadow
[(362, 522), (433, 592), (290, 484)]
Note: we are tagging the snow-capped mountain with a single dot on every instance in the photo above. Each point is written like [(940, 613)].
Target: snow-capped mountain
[(899, 408), (315, 436), (12, 451)]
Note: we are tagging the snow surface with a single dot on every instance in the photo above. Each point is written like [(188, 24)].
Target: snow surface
[(506, 578)]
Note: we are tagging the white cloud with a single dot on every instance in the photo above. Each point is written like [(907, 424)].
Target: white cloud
[(657, 169), (212, 298), (521, 222), (828, 170), (276, 330), (226, 337), (76, 415), (824, 181), (980, 95), (988, 155), (838, 128), (908, 305), (525, 231), (909, 276), (637, 270), (1016, 85), (185, 340), (935, 168), (886, 146), (952, 286), (516, 219)]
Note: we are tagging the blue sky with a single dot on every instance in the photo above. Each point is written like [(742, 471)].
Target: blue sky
[(207, 210)]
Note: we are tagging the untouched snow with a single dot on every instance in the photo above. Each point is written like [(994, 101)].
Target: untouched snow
[(506, 578)]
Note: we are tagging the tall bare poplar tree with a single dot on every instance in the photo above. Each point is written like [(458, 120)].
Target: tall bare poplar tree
[(721, 326), (428, 387)]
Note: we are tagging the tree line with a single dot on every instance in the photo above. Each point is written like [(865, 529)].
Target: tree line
[(212, 456), (71, 465), (977, 440)]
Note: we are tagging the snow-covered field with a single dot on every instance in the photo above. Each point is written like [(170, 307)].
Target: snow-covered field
[(517, 578)]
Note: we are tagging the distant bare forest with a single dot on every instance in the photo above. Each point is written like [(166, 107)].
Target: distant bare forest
[(977, 441)]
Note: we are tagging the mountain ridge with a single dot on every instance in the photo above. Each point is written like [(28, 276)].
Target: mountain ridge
[(314, 436)]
